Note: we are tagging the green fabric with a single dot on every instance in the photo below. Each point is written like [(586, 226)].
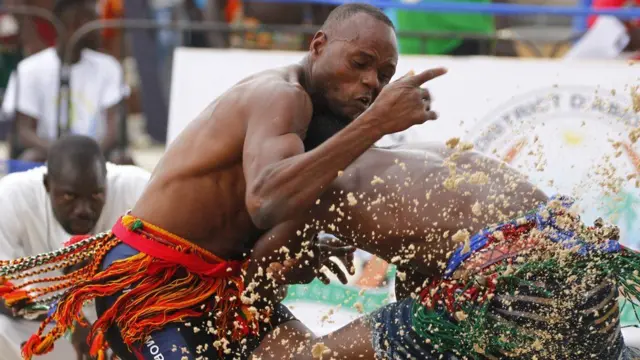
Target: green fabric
[(338, 294), (408, 20), (8, 62), (628, 316)]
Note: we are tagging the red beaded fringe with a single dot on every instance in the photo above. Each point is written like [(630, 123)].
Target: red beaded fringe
[(158, 293)]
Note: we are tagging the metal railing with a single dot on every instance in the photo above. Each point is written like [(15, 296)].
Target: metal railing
[(484, 8), (146, 24), (579, 12)]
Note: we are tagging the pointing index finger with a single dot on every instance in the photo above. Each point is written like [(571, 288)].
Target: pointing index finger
[(423, 77)]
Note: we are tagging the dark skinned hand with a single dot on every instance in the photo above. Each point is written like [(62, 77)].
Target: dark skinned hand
[(313, 261)]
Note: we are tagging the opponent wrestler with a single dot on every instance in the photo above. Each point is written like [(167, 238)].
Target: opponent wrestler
[(236, 171), (465, 192)]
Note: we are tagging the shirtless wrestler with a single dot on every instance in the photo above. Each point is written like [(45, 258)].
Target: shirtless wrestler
[(248, 163)]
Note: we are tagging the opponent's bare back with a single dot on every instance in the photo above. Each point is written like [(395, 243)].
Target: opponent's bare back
[(408, 203), (422, 195)]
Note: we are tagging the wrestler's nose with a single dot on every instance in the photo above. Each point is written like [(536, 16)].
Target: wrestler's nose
[(370, 79), (82, 210)]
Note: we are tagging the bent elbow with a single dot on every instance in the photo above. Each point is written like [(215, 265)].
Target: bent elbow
[(261, 214)]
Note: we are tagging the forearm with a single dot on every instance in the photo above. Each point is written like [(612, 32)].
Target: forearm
[(290, 186), (30, 139), (108, 141), (28, 135), (110, 137)]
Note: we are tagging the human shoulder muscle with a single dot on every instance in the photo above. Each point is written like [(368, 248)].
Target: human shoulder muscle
[(279, 97)]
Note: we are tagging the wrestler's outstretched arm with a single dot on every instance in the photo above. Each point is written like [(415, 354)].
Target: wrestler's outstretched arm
[(282, 179)]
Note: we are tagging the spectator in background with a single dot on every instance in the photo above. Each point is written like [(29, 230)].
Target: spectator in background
[(633, 26), (220, 11), (77, 193), (253, 14), (10, 56), (165, 11), (194, 11), (419, 21), (10, 52), (36, 33), (95, 83)]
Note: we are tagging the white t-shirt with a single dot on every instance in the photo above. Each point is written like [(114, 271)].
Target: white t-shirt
[(606, 39), (95, 82), (28, 227), (27, 223)]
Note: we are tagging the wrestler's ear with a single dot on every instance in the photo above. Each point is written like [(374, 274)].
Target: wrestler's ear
[(318, 43), (45, 182)]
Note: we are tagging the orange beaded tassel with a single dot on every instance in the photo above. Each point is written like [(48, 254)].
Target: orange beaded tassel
[(179, 281)]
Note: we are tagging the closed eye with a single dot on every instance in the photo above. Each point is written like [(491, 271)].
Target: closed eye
[(359, 64), (384, 79)]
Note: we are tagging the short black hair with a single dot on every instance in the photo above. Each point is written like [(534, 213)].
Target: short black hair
[(80, 152), (62, 5), (346, 11)]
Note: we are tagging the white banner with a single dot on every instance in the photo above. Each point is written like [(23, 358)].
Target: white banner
[(567, 124)]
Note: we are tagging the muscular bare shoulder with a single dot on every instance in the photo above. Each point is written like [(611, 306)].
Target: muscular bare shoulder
[(276, 91)]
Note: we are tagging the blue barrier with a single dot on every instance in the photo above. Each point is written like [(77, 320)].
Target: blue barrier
[(580, 22), (495, 9), (12, 166)]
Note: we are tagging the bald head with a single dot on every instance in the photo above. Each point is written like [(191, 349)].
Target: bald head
[(350, 60), (75, 154), (344, 12), (76, 183)]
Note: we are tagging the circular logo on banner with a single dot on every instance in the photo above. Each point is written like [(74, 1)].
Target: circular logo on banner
[(573, 140)]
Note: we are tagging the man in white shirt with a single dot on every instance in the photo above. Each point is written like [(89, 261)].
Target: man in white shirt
[(76, 193), (95, 84)]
